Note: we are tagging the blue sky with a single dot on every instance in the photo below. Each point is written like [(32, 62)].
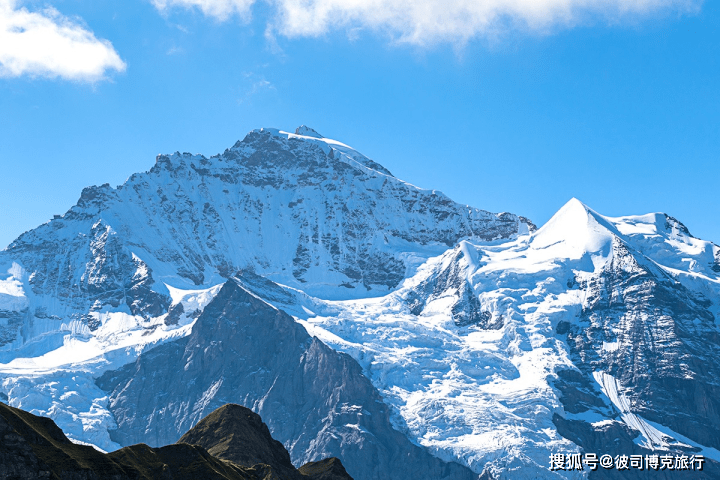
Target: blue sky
[(507, 105)]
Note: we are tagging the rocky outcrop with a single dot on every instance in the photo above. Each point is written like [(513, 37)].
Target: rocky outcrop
[(328, 469), (34, 447), (242, 350), (237, 434), (449, 278), (653, 324)]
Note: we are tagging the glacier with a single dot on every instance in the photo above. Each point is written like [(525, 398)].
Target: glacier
[(487, 396)]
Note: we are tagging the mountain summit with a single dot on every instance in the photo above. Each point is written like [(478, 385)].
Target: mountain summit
[(307, 132)]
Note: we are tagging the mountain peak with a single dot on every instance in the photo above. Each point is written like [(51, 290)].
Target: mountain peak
[(572, 216), (575, 229), (307, 132), (251, 440)]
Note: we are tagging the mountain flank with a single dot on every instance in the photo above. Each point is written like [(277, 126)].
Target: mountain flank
[(244, 350)]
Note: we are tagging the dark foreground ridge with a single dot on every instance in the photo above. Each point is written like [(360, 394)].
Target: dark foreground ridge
[(231, 443), (238, 434)]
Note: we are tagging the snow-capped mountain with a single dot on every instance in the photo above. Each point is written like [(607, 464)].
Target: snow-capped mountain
[(489, 343), (132, 267), (589, 331)]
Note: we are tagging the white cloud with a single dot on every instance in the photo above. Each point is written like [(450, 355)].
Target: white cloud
[(257, 84), (220, 9), (424, 22), (47, 44)]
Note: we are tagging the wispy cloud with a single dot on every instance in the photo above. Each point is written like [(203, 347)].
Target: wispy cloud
[(47, 44), (256, 84), (425, 22), (220, 9)]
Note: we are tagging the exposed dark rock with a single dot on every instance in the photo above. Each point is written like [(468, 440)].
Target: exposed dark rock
[(33, 447), (655, 321), (578, 393), (468, 311), (307, 131), (10, 324), (328, 469), (174, 313), (672, 223), (610, 437), (531, 226), (238, 434)]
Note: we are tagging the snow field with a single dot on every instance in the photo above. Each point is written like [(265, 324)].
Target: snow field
[(60, 383)]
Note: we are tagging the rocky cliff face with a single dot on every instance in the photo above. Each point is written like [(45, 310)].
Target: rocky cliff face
[(656, 339), (450, 280), (307, 211), (649, 345), (304, 211), (242, 350)]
